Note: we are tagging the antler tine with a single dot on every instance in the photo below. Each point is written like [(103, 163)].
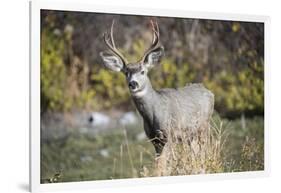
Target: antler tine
[(155, 30), (111, 34), (109, 41)]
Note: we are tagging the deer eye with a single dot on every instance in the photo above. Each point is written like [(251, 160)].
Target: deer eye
[(142, 72)]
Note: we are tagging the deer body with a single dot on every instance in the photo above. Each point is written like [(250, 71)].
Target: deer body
[(165, 111), (185, 109)]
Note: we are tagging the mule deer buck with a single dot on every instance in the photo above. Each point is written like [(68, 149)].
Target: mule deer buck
[(167, 110)]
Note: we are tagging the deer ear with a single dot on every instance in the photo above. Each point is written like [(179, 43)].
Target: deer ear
[(154, 57), (112, 62)]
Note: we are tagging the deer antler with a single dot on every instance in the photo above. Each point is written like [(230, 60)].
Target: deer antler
[(109, 40), (155, 39), (155, 32)]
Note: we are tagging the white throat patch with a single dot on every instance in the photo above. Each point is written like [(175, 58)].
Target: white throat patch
[(141, 93)]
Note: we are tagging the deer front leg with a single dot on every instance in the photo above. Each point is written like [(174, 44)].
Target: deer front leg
[(161, 159), (159, 142), (158, 147), (157, 138)]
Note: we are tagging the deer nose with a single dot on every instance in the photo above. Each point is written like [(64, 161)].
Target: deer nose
[(133, 85)]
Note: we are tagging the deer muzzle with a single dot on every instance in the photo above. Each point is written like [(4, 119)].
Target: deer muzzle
[(133, 85)]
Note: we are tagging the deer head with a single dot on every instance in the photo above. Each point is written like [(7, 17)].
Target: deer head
[(136, 73)]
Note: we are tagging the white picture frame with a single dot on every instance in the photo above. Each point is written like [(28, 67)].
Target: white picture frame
[(36, 6)]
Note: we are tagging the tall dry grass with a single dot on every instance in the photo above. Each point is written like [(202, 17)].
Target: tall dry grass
[(183, 156)]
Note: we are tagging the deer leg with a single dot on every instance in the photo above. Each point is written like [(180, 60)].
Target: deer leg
[(158, 146), (159, 142), (160, 159)]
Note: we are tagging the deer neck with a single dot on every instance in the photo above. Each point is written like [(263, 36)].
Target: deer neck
[(145, 101)]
